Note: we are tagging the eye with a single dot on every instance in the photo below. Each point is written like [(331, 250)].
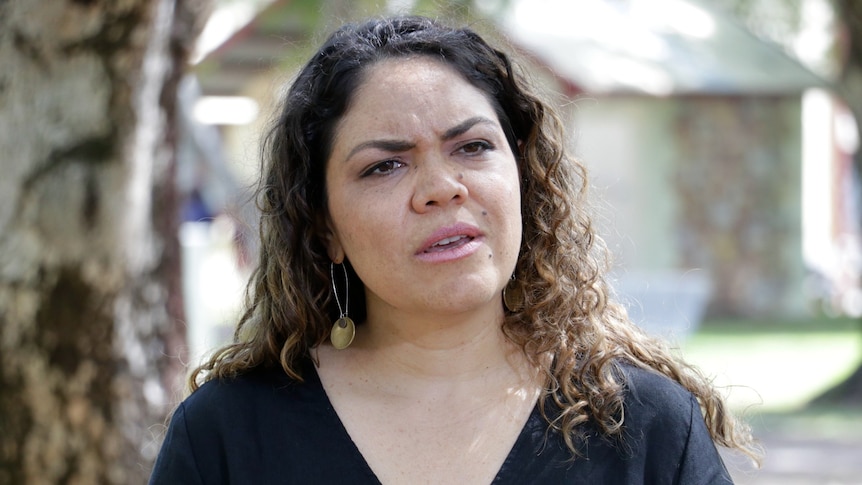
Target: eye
[(385, 167), (475, 148)]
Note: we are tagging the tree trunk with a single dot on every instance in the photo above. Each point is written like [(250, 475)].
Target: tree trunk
[(88, 270)]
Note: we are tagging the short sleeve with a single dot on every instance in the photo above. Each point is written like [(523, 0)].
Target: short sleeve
[(176, 462), (701, 463)]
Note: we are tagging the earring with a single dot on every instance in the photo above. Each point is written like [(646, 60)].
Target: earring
[(343, 330), (513, 295)]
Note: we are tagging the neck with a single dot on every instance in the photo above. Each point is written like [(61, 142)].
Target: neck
[(413, 355), (441, 346)]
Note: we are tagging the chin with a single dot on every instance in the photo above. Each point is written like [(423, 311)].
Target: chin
[(465, 300)]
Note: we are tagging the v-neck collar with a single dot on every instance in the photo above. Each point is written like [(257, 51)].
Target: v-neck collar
[(506, 473)]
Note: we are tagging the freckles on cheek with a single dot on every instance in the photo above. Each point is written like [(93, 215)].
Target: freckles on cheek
[(363, 226)]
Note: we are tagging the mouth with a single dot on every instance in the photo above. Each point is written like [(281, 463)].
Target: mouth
[(449, 243), (450, 238)]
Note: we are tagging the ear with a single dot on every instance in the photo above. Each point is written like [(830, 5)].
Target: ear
[(334, 249)]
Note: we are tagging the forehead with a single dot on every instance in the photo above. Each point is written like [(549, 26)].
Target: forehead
[(419, 69), (402, 93)]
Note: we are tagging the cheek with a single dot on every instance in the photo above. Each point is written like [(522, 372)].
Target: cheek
[(506, 195), (362, 226), (512, 204), (341, 213), (502, 208)]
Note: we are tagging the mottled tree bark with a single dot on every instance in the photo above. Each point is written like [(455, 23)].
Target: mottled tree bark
[(88, 271)]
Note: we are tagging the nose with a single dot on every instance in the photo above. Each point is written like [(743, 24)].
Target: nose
[(438, 184)]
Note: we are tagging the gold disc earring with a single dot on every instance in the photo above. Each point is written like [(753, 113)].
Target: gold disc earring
[(343, 330), (513, 295)]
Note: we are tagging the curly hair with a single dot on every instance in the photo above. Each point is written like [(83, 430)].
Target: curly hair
[(567, 313)]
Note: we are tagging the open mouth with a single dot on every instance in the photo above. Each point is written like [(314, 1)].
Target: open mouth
[(449, 243)]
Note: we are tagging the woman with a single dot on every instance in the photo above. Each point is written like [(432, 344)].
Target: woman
[(417, 194)]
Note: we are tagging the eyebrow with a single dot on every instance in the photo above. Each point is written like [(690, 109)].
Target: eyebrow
[(400, 146), (464, 126)]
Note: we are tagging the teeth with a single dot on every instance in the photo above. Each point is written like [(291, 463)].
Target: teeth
[(448, 240)]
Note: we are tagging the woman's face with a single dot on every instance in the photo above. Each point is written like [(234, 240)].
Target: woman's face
[(423, 191)]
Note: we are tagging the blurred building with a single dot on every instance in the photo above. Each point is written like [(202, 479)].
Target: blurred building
[(692, 128)]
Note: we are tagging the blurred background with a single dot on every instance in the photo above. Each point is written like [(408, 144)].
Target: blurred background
[(722, 142)]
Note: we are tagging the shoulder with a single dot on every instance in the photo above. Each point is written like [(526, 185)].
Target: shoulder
[(665, 432), (656, 409), (650, 395), (248, 399), (663, 440), (256, 381), (261, 424), (237, 388)]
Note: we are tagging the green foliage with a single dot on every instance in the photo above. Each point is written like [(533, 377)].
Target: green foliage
[(814, 324)]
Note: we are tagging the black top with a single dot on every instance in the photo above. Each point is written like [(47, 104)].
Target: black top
[(265, 428)]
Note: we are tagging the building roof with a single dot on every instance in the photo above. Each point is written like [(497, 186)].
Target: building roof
[(655, 47), (649, 47), (245, 38)]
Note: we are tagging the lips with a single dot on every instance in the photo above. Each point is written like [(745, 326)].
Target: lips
[(449, 238), (449, 242)]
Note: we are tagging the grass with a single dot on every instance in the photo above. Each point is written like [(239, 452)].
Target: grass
[(812, 424), (770, 371), (775, 366)]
